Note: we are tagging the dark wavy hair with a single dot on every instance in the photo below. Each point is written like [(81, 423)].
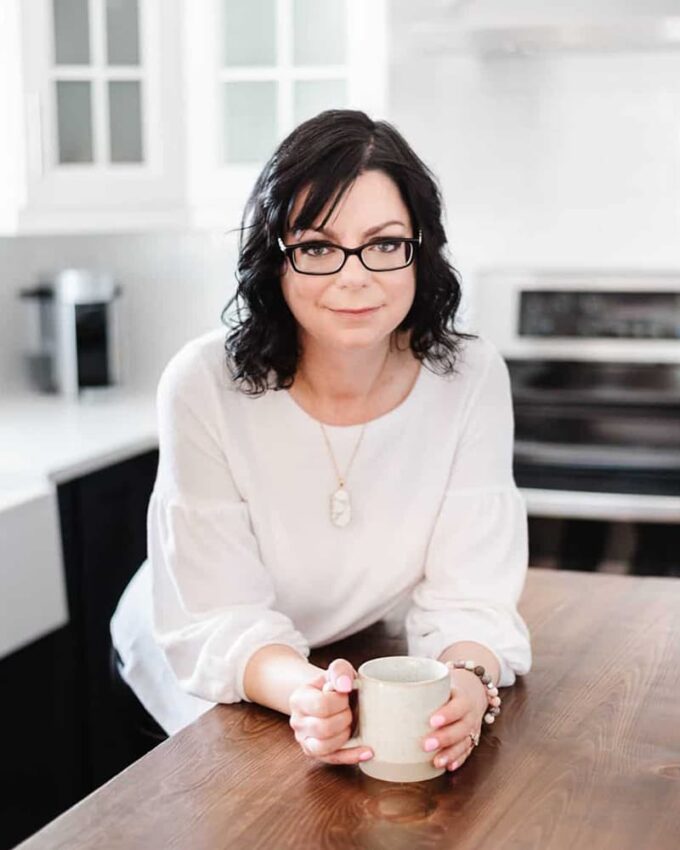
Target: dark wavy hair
[(327, 153)]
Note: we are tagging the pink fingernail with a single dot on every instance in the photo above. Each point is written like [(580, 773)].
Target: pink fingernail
[(431, 744), (453, 766), (344, 683), (437, 720), (366, 755)]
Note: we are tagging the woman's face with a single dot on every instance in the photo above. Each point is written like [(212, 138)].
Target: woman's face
[(371, 201)]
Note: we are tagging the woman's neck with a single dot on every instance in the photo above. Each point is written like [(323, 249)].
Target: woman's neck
[(343, 377), (346, 388)]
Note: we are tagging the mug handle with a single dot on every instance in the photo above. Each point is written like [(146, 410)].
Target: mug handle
[(356, 740)]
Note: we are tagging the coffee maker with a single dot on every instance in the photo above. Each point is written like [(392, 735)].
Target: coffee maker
[(73, 332)]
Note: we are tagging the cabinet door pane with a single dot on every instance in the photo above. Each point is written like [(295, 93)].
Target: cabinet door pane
[(74, 121), (249, 28), (122, 32), (125, 121), (71, 32), (249, 121), (313, 96), (319, 32)]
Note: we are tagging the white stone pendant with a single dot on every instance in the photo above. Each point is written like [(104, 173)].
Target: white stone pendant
[(341, 511)]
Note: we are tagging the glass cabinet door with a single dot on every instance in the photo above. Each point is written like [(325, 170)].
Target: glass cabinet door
[(248, 32), (264, 67), (281, 62), (100, 97), (97, 76), (319, 32)]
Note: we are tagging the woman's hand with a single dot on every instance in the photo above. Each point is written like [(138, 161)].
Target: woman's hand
[(322, 720), (456, 721)]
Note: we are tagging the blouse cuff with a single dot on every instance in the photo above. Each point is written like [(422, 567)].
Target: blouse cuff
[(430, 642)]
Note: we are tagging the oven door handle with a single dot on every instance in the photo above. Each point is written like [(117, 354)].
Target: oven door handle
[(623, 457)]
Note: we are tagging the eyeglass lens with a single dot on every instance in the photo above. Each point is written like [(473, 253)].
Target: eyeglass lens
[(326, 259)]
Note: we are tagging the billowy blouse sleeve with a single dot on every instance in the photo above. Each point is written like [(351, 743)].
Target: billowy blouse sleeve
[(477, 560), (212, 596)]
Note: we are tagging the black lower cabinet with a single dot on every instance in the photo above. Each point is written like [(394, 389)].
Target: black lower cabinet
[(43, 761), (103, 519), (62, 732)]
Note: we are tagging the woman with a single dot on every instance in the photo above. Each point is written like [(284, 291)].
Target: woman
[(349, 455)]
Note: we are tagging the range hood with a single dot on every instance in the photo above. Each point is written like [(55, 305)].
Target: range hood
[(537, 26)]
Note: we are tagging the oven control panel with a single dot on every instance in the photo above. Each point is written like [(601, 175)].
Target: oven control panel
[(598, 314)]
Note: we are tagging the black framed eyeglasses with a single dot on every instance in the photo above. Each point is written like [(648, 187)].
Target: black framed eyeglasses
[(382, 254)]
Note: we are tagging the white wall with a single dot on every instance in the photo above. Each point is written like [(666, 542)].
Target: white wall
[(550, 162), (175, 286)]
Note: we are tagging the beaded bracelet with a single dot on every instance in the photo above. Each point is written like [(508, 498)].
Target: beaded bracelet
[(491, 690)]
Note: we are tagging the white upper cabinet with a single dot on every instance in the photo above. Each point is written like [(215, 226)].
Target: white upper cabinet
[(146, 114), (91, 87), (263, 67)]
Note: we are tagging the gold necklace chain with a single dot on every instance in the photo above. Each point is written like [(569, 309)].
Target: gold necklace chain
[(341, 478)]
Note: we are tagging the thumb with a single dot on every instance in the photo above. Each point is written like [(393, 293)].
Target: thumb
[(340, 675)]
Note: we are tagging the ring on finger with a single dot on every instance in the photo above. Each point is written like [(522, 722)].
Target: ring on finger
[(474, 738)]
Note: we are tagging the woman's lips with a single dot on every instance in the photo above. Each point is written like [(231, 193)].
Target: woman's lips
[(361, 312)]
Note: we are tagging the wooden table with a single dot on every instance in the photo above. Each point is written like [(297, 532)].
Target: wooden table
[(586, 753)]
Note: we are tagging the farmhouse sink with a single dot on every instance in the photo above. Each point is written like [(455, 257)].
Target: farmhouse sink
[(32, 587)]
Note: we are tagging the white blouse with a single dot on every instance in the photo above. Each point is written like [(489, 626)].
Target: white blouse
[(242, 551)]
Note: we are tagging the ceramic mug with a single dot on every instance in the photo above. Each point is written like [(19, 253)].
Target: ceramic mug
[(397, 695)]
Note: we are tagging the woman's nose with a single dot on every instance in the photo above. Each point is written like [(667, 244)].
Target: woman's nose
[(354, 272)]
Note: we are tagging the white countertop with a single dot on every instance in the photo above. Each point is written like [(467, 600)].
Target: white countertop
[(44, 441), (51, 438)]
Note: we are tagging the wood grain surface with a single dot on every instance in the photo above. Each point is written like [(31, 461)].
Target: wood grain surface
[(586, 753)]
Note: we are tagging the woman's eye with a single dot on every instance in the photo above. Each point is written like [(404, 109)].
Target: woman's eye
[(309, 250), (385, 247)]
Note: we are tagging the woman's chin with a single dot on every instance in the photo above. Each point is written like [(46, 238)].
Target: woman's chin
[(358, 340)]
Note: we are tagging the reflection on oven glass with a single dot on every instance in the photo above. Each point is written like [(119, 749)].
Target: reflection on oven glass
[(629, 315)]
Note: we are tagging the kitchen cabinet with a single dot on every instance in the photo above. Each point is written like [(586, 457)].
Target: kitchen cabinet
[(43, 748), (60, 735), (146, 114), (90, 91), (264, 67), (103, 522)]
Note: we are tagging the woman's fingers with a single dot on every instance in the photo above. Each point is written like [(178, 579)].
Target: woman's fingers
[(353, 755), (311, 700), (321, 716), (453, 757), (322, 727), (329, 750), (455, 709), (341, 675), (449, 736), (319, 747)]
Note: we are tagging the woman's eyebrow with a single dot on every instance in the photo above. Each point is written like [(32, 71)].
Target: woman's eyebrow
[(369, 232)]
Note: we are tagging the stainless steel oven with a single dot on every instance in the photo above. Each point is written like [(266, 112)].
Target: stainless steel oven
[(594, 361)]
